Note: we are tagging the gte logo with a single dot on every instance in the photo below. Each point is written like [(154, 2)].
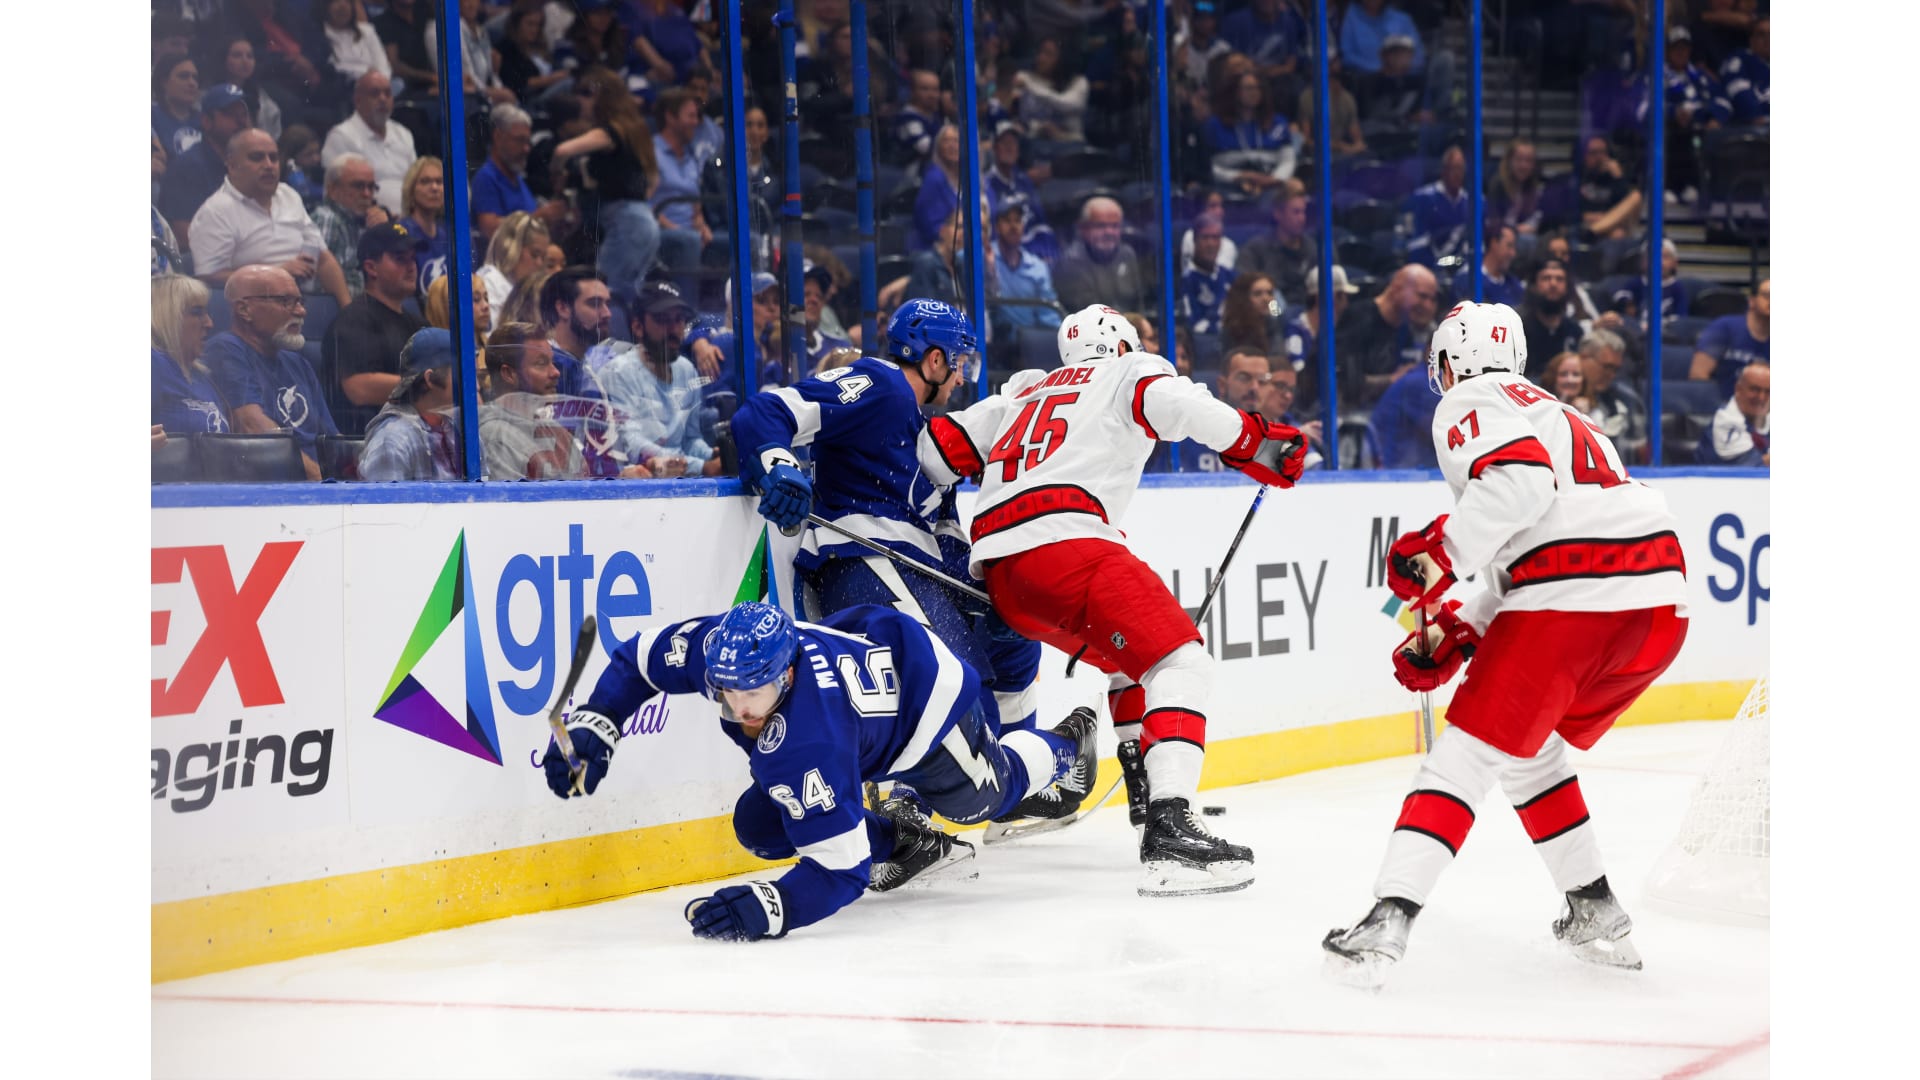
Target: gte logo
[(232, 636), (620, 590), (194, 774)]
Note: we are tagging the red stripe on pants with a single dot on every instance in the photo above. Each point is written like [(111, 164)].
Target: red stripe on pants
[(1172, 723), (1127, 705), (1554, 811), (1438, 815)]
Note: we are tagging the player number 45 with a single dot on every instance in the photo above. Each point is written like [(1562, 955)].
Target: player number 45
[(814, 791), (1019, 446)]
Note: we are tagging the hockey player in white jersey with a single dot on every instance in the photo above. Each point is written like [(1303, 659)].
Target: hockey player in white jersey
[(1059, 455), (1583, 609)]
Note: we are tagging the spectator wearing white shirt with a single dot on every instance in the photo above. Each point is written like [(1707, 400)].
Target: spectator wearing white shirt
[(1053, 99), (356, 45), (1742, 431), (371, 133), (256, 219)]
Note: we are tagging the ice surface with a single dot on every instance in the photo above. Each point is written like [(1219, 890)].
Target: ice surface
[(1050, 966)]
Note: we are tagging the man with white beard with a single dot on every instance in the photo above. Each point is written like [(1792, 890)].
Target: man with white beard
[(258, 367)]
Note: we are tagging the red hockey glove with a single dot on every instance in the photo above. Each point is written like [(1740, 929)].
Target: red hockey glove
[(1418, 570), (1451, 642), (1271, 453)]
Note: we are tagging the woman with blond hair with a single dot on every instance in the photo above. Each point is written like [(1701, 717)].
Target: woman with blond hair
[(438, 310), (517, 249), (523, 303), (621, 164), (185, 400), (423, 210)]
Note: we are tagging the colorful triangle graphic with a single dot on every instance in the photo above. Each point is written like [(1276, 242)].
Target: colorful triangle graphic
[(408, 705)]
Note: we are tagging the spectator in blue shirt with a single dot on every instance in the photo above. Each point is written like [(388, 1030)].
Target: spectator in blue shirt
[(684, 232), (1695, 104), (1272, 34), (939, 189), (1019, 275), (664, 39), (1402, 422), (1732, 342), (176, 103), (1748, 77), (1203, 288), (184, 399), (1741, 433), (1500, 246), (1251, 142), (1006, 182), (194, 176), (257, 366), (500, 187), (1367, 26), (917, 121), (1440, 212), (1676, 296)]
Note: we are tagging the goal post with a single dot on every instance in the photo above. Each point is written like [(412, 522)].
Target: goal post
[(1718, 865)]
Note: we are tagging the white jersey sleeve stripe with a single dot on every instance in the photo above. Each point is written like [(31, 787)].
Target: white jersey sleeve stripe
[(806, 414), (842, 852)]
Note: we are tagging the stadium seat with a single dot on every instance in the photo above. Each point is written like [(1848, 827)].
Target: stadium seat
[(833, 195), (1690, 398), (1676, 358), (273, 457), (176, 463), (1715, 302), (1039, 348), (338, 456), (1089, 163), (1369, 216), (1387, 183), (321, 311)]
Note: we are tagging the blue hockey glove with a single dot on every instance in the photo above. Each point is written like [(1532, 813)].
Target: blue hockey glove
[(747, 912), (786, 496), (594, 737)]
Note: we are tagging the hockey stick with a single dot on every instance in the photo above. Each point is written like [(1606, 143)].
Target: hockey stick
[(582, 645), (910, 564), (1425, 698), (1206, 604), (999, 832)]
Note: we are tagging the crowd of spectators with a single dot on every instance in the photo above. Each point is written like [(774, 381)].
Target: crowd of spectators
[(304, 137)]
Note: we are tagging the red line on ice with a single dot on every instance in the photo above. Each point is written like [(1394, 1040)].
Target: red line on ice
[(723, 1014), (1719, 1057)]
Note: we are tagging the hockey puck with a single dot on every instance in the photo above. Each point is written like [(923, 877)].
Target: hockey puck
[(1213, 811)]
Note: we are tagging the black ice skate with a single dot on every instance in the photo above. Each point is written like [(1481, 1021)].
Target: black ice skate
[(1183, 859), (1361, 954), (1595, 927), (1064, 796), (922, 854)]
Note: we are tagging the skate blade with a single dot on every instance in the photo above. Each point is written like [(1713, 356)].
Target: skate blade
[(1000, 832), (1364, 971), (953, 868), (1178, 879), (1614, 954)]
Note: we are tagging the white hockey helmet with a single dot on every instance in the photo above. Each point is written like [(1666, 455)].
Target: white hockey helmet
[(1095, 333), (1477, 338)]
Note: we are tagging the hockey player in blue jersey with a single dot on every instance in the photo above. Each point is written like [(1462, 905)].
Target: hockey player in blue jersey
[(862, 421), (868, 694)]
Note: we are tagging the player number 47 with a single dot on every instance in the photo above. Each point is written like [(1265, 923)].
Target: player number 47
[(814, 791)]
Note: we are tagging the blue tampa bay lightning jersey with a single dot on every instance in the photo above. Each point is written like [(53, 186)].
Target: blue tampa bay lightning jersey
[(873, 693), (871, 485)]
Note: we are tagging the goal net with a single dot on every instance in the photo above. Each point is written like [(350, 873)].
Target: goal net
[(1717, 865)]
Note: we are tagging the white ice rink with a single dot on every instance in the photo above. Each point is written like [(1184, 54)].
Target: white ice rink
[(1049, 966)]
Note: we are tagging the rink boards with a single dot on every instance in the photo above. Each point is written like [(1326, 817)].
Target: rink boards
[(348, 696)]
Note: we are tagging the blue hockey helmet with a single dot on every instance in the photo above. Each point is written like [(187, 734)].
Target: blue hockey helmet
[(753, 646), (919, 325)]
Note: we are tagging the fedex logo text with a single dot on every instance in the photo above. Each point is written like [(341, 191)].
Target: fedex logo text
[(232, 635)]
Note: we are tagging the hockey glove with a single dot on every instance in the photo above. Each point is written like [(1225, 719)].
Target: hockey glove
[(594, 737), (1451, 642), (1418, 569), (747, 912), (786, 496), (1271, 453)]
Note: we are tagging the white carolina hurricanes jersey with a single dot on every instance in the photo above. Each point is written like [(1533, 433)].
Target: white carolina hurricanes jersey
[(1059, 452), (1546, 508)]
